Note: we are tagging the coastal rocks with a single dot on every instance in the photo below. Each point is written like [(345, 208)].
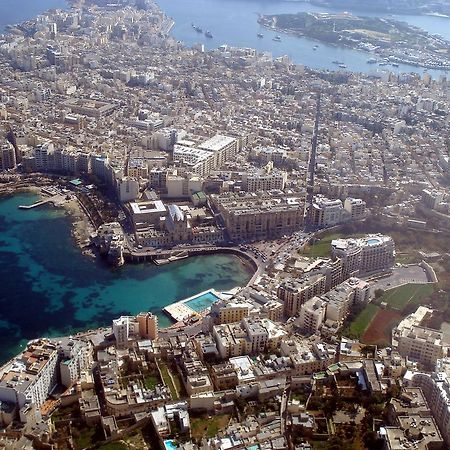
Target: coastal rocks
[(110, 241)]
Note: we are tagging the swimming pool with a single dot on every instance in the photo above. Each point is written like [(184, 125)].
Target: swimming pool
[(170, 445), (373, 241), (202, 301)]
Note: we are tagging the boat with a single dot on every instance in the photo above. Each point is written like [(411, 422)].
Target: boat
[(394, 64), (372, 61), (342, 66), (197, 28), (382, 63), (276, 39), (208, 34), (337, 62), (260, 35), (315, 47)]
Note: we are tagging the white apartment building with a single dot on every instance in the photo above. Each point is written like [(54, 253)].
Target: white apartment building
[(222, 147), (75, 357), (128, 189), (264, 179), (295, 293), (341, 299), (7, 156), (198, 160), (325, 212), (312, 315), (247, 337), (257, 334), (436, 388), (355, 207), (181, 187), (432, 198), (420, 344), (123, 329), (32, 377)]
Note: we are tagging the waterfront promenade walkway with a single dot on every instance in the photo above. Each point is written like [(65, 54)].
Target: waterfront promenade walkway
[(152, 254)]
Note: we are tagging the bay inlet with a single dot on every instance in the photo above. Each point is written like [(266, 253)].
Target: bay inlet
[(49, 288)]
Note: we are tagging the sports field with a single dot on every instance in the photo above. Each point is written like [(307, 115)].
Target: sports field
[(398, 298), (380, 328), (374, 324), (362, 321)]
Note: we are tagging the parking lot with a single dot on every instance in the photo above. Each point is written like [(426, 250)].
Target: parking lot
[(402, 275), (278, 250)]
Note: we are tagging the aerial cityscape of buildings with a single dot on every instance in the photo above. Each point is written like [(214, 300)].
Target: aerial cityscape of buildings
[(172, 152)]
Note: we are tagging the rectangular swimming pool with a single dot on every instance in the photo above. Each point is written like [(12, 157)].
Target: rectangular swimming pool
[(170, 445), (202, 301)]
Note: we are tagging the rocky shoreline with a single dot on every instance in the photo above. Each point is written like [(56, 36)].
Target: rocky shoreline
[(82, 228)]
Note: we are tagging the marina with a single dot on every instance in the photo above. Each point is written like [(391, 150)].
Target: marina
[(235, 23)]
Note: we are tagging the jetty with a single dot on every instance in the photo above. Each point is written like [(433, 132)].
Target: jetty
[(35, 205), (54, 199)]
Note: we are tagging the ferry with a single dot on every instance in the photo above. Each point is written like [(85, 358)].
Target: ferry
[(260, 35), (276, 39), (208, 34)]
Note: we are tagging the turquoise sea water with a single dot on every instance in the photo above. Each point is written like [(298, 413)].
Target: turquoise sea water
[(48, 288)]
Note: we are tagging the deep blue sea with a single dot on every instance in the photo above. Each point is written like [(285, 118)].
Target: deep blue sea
[(49, 288), (15, 11), (234, 22)]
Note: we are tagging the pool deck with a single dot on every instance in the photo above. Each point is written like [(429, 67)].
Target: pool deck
[(180, 311)]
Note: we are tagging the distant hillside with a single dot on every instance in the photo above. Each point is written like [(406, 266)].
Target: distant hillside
[(394, 6)]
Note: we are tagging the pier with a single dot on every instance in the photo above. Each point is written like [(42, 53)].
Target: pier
[(55, 199)]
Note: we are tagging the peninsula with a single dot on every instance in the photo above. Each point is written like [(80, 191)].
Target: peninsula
[(389, 6), (390, 40)]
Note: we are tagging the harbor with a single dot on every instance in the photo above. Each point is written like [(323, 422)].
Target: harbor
[(242, 30)]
